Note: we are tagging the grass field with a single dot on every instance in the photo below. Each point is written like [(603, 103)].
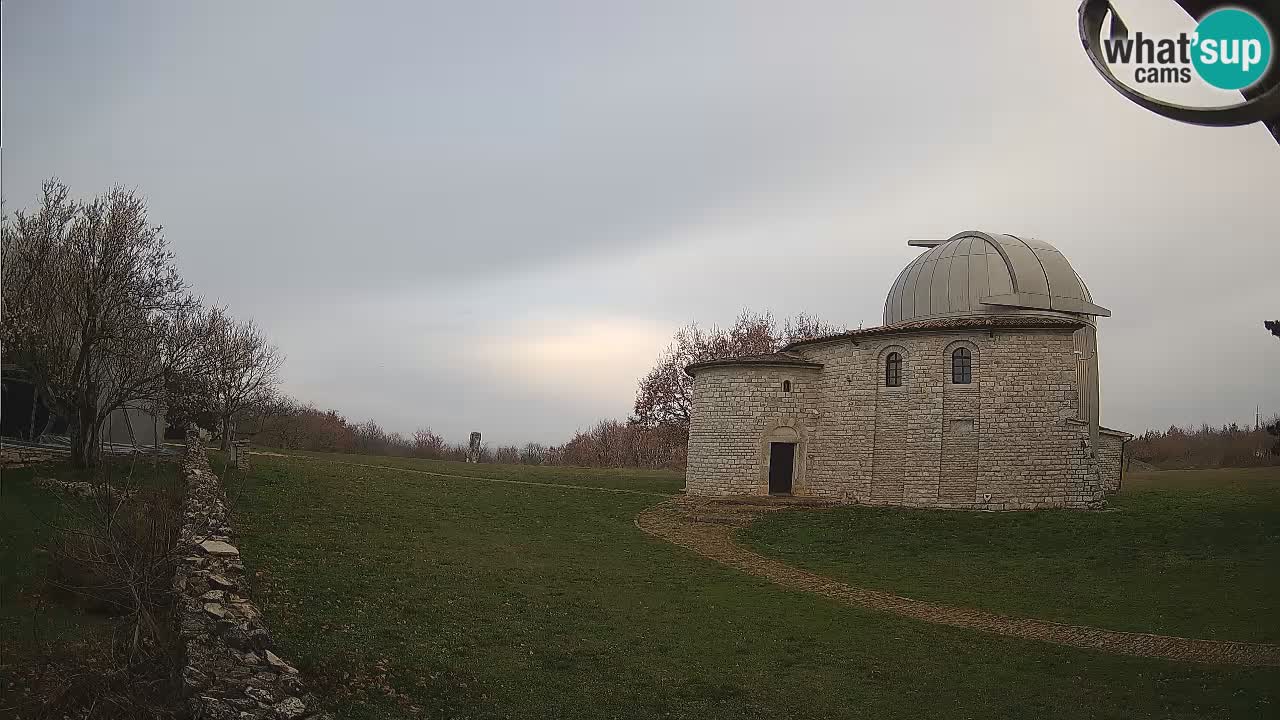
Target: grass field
[(33, 616), (411, 594), (656, 481), (48, 634), (1192, 553)]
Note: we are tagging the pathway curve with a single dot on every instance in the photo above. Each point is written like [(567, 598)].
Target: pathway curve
[(706, 526)]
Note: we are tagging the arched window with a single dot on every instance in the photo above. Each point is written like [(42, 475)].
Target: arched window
[(962, 366), (786, 386), (893, 370)]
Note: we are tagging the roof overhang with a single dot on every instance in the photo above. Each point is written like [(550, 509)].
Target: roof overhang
[(1103, 430), (951, 325), (693, 369), (1035, 301)]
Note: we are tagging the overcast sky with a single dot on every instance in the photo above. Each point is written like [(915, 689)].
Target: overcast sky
[(492, 216)]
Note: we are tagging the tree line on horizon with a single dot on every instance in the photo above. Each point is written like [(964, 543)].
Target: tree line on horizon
[(292, 425), (1231, 445)]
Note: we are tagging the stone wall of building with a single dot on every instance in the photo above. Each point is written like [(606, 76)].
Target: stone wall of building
[(1111, 459), (231, 672), (1000, 443), (1031, 456), (737, 412)]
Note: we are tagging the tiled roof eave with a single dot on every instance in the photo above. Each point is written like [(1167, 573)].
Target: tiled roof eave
[(949, 324), (777, 360)]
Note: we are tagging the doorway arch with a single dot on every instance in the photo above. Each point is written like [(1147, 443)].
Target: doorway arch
[(785, 431)]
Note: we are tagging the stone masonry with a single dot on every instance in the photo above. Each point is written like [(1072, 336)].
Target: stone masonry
[(231, 672), (240, 454), (1010, 440), (874, 416), (1111, 458)]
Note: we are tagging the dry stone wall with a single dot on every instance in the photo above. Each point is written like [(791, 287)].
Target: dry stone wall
[(231, 671), (1002, 442)]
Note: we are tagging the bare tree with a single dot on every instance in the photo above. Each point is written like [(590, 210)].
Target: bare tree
[(285, 415), (284, 422), (370, 438), (533, 454), (665, 395), (507, 455), (806, 327), (242, 366), (427, 444), (94, 308), (27, 247)]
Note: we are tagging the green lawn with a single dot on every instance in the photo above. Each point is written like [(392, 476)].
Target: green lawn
[(42, 626), (408, 595), (658, 481), (1193, 553), (32, 615)]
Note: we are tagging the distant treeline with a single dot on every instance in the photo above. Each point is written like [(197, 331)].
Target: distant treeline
[(290, 425), (1204, 447), (614, 443)]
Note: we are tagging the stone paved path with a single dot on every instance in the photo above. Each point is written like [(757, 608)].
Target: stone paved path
[(706, 526)]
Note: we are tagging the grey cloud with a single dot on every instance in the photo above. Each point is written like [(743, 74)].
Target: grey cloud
[(389, 187)]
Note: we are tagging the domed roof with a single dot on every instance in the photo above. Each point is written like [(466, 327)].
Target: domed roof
[(978, 273)]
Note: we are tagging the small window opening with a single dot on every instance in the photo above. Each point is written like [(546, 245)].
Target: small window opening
[(786, 386), (893, 370), (962, 366)]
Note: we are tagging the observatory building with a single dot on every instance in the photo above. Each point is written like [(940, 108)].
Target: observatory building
[(980, 391)]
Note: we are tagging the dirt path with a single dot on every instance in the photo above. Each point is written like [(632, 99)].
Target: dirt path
[(706, 527)]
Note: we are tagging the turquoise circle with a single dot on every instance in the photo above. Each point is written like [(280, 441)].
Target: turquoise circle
[(1236, 36)]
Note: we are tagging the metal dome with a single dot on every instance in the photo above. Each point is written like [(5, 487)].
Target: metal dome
[(978, 273)]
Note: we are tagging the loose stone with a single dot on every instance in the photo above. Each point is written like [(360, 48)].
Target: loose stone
[(219, 547), (217, 611), (290, 709)]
